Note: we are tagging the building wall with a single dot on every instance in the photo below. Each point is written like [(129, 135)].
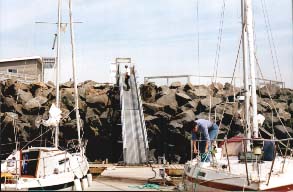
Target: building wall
[(29, 69)]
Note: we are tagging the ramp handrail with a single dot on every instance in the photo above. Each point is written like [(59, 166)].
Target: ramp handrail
[(141, 114)]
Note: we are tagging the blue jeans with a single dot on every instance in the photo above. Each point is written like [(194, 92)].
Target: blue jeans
[(213, 131)]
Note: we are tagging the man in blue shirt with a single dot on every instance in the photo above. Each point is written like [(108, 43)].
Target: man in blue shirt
[(208, 132)]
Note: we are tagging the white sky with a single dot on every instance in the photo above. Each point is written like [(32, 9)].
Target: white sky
[(159, 35)]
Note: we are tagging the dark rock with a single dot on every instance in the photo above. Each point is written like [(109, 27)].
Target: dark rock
[(151, 108), (169, 99), (175, 85), (182, 98), (268, 90), (67, 97), (283, 131), (175, 124), (215, 88), (24, 96), (163, 90), (9, 118), (198, 92), (163, 115), (68, 84), (34, 105), (44, 92), (148, 92), (188, 86), (9, 102), (97, 98), (170, 109), (185, 117), (82, 93), (205, 103), (291, 108)]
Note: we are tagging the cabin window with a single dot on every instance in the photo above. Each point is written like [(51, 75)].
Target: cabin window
[(29, 163), (63, 161), (12, 70)]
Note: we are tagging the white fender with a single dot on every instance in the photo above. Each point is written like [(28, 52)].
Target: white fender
[(84, 184), (89, 179), (77, 185)]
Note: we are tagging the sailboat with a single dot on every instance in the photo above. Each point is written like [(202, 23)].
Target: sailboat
[(49, 168), (256, 166)]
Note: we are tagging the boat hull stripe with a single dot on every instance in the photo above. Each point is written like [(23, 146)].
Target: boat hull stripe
[(54, 187), (223, 186)]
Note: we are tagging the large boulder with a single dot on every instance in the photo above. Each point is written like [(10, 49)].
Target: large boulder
[(67, 97), (163, 115), (151, 108), (163, 90), (175, 124), (171, 109), (182, 98), (45, 92), (24, 96), (97, 98), (198, 92), (188, 86), (169, 99), (283, 131), (267, 90), (9, 118), (34, 105), (148, 92), (189, 105), (215, 88), (92, 118), (9, 102), (206, 103), (185, 117), (175, 85), (68, 84)]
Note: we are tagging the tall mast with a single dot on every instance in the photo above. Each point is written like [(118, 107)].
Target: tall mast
[(245, 73), (58, 69), (292, 35), (74, 74), (249, 25)]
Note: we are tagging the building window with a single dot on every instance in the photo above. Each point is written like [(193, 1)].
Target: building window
[(12, 70)]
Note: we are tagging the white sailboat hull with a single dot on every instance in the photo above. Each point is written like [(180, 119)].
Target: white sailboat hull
[(204, 177), (54, 170)]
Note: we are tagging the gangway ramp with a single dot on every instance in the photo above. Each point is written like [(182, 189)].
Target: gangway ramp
[(134, 135)]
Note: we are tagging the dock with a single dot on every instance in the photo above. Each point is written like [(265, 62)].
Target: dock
[(113, 177)]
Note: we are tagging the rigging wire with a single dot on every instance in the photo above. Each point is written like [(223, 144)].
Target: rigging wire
[(271, 39), (220, 35), (266, 19), (273, 42), (270, 96), (233, 76)]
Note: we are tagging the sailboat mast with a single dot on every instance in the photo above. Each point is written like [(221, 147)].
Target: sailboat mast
[(58, 70), (245, 73), (74, 73), (249, 25)]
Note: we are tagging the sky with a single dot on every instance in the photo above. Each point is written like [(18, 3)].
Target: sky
[(161, 36)]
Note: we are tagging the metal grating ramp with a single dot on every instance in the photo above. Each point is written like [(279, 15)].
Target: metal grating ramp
[(134, 135)]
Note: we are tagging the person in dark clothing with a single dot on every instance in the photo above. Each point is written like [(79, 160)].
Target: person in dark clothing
[(127, 76)]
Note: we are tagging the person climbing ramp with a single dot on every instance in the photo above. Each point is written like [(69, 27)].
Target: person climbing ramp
[(127, 76)]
